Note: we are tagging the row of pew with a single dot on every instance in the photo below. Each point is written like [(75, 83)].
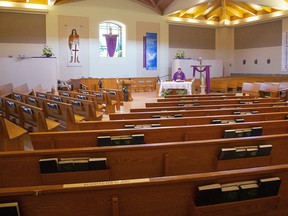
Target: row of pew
[(180, 151)]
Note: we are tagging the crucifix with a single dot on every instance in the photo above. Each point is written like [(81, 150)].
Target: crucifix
[(75, 50)]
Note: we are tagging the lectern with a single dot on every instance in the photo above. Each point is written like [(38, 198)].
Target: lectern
[(126, 86)]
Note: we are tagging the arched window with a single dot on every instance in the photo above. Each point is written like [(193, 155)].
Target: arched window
[(112, 39)]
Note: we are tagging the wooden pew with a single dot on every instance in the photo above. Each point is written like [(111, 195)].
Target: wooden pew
[(55, 110), (103, 99), (82, 104), (198, 112), (11, 135), (218, 86), (203, 95), (251, 88), (212, 102), (199, 107), (74, 139), (159, 159), (23, 89), (116, 96), (163, 122), (6, 89), (170, 195), (28, 116), (269, 89), (183, 98)]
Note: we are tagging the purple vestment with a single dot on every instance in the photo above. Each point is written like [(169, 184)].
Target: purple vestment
[(179, 76)]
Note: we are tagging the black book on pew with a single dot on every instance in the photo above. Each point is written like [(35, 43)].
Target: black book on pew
[(254, 112), (9, 209), (103, 140), (227, 153), (240, 152), (216, 121), (256, 131), (269, 186), (138, 139), (230, 194), (155, 125), (48, 165), (208, 195), (249, 191), (229, 133), (66, 166), (264, 150), (81, 165), (247, 132), (97, 163), (239, 120), (252, 151), (178, 115), (156, 116), (129, 126)]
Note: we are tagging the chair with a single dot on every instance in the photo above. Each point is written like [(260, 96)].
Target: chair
[(141, 85)]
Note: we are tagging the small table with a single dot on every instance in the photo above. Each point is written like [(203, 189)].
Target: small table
[(176, 85)]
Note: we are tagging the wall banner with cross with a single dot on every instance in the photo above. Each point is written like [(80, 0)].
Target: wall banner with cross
[(73, 46)]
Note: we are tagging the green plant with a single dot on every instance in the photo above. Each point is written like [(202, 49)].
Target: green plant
[(165, 92), (180, 54), (181, 92), (47, 51)]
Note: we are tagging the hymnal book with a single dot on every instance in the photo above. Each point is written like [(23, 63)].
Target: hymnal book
[(229, 133), (180, 104), (138, 139), (48, 165), (129, 126), (208, 195), (254, 112), (240, 152), (237, 113), (239, 183), (178, 115), (230, 194), (249, 191), (216, 121), (97, 164), (256, 101), (103, 141), (264, 150), (156, 116), (239, 120), (81, 165), (269, 186), (256, 131), (239, 133), (65, 165), (246, 132), (196, 104), (227, 153), (121, 140), (9, 209), (251, 152), (155, 125)]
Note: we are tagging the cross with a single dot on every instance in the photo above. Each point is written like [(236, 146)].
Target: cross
[(75, 52)]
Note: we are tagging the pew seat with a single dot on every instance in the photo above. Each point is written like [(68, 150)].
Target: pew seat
[(12, 135)]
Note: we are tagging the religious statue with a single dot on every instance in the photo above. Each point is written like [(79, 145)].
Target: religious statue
[(73, 43)]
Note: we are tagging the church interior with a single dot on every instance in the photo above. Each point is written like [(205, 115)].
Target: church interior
[(143, 107)]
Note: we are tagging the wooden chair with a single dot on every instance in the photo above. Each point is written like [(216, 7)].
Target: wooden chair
[(141, 85)]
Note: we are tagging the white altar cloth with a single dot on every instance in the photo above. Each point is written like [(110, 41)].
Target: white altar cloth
[(176, 85)]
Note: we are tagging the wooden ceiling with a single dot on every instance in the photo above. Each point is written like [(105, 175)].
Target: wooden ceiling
[(211, 12), (216, 11)]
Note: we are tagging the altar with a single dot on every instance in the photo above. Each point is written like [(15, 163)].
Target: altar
[(176, 85)]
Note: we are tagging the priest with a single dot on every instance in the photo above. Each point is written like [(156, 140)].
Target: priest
[(179, 75)]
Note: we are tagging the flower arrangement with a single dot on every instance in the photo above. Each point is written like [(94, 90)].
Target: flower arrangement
[(47, 51), (180, 54)]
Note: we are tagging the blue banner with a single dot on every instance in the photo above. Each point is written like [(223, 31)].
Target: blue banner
[(151, 51)]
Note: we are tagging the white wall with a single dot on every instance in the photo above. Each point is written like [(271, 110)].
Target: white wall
[(261, 54), (126, 12), (225, 48)]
